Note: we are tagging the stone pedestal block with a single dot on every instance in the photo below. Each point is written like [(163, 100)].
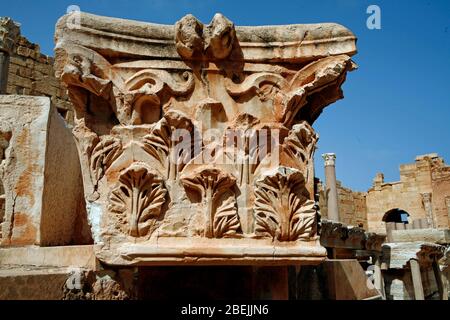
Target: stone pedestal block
[(40, 175)]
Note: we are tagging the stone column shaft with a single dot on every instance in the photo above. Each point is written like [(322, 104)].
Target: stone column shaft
[(417, 280), (331, 187)]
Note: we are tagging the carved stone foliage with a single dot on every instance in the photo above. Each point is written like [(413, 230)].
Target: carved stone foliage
[(106, 150), (171, 143), (289, 97), (138, 200), (282, 211), (300, 144), (215, 189), (133, 100), (199, 131), (193, 39)]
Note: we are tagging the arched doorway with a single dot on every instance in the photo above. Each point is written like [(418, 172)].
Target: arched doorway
[(395, 219), (396, 215)]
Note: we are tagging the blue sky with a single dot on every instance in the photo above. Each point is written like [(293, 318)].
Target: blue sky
[(396, 105)]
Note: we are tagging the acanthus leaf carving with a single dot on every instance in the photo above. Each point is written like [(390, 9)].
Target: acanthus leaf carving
[(103, 154), (138, 200), (282, 210), (164, 147), (218, 201), (139, 89), (301, 144)]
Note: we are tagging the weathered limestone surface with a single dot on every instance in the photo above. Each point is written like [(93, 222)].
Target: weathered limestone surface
[(439, 236), (32, 283), (40, 175), (60, 256), (397, 255), (346, 280), (352, 205), (195, 140), (338, 235), (29, 282)]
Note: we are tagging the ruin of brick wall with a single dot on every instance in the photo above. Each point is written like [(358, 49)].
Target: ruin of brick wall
[(31, 73), (351, 204), (428, 174), (441, 195)]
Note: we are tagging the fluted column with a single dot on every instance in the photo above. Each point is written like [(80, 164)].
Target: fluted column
[(331, 187)]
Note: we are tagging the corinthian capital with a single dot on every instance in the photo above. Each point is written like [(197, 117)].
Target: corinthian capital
[(330, 159), (426, 197), (155, 108)]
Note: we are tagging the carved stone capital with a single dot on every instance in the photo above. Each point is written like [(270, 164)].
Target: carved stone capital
[(426, 197), (156, 106), (329, 158)]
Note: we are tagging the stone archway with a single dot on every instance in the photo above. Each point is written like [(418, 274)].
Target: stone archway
[(395, 219), (396, 215)]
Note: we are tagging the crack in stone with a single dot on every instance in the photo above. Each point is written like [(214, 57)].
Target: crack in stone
[(11, 225)]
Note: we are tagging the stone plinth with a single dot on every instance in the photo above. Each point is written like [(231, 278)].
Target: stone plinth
[(439, 236), (40, 174), (337, 235), (42, 257), (196, 141)]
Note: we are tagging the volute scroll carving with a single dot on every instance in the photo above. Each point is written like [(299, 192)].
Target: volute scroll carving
[(196, 140)]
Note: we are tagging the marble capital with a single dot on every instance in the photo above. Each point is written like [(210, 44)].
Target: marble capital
[(196, 140)]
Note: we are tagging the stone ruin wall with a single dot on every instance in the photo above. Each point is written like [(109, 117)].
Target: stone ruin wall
[(31, 73), (426, 181), (423, 184), (352, 205), (441, 194)]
